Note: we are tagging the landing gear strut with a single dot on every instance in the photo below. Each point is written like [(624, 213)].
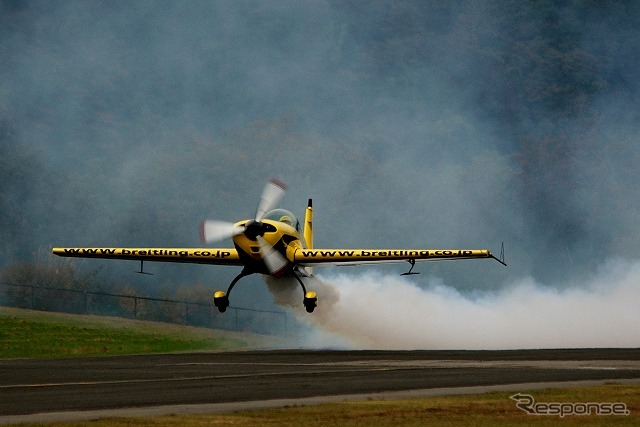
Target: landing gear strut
[(221, 299), (310, 300)]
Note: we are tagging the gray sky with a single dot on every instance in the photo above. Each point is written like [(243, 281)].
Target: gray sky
[(410, 124)]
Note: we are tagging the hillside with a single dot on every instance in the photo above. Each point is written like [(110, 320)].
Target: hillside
[(27, 333)]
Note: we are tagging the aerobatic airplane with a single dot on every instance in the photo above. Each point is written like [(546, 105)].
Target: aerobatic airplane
[(272, 244)]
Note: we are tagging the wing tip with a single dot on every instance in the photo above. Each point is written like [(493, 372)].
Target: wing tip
[(501, 258)]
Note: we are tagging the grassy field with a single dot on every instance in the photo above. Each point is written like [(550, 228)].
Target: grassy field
[(29, 334), (476, 410)]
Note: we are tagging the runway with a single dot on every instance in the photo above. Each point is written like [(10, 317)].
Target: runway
[(89, 384)]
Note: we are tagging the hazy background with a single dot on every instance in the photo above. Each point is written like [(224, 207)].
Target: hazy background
[(411, 124)]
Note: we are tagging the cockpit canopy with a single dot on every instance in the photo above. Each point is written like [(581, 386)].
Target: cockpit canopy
[(284, 216)]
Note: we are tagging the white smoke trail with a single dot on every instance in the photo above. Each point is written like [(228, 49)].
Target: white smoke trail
[(388, 312)]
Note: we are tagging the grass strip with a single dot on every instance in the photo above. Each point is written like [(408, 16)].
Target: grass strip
[(28, 334)]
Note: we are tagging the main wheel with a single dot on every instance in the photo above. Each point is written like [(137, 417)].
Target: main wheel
[(310, 301), (221, 301)]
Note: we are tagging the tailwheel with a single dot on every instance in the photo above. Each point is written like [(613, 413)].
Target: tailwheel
[(310, 301), (221, 301)]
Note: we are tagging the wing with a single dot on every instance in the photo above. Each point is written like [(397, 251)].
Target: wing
[(313, 257), (220, 256)]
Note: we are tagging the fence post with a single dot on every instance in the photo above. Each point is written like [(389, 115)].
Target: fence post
[(135, 308), (286, 327)]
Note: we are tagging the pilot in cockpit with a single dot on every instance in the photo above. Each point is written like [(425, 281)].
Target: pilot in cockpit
[(285, 217)]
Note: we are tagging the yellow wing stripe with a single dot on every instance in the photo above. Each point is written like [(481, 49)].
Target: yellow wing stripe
[(194, 255), (336, 256)]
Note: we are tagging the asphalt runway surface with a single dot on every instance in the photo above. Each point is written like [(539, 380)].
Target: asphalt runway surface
[(29, 386)]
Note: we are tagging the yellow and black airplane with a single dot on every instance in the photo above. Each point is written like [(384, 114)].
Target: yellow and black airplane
[(271, 244)]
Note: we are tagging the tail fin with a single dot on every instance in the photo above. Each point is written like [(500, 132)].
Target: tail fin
[(307, 231)]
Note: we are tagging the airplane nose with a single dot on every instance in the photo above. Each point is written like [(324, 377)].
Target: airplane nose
[(253, 229)]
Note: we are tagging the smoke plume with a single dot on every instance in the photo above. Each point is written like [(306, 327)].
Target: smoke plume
[(375, 310)]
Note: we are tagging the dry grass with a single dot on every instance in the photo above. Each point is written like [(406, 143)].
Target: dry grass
[(477, 410)]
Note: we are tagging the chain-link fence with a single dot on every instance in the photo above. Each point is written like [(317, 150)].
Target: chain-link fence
[(142, 308)]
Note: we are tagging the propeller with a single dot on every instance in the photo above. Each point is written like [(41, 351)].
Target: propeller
[(273, 259), (214, 230), (271, 196)]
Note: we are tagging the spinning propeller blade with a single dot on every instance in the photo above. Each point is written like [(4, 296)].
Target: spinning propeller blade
[(272, 258), (271, 195), (213, 230)]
